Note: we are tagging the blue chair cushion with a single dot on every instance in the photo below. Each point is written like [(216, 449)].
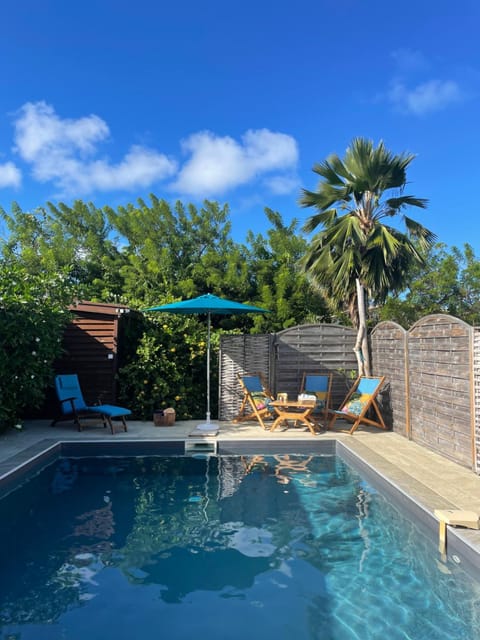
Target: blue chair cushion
[(109, 410)]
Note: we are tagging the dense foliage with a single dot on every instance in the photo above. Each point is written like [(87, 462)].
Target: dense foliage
[(448, 282), (32, 318), (152, 253)]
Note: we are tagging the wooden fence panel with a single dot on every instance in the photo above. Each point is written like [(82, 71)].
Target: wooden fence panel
[(283, 358), (314, 348), (440, 386), (388, 344), (432, 393)]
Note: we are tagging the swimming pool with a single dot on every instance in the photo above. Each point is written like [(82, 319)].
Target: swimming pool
[(226, 547)]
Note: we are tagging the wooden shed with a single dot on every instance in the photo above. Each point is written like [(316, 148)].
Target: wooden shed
[(90, 345)]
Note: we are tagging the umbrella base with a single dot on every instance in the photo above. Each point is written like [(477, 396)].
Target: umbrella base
[(207, 426), (205, 430)]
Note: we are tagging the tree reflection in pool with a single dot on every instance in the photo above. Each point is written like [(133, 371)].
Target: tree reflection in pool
[(229, 547)]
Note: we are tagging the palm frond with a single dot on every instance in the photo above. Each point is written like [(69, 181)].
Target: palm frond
[(352, 198), (346, 232), (425, 237), (326, 196), (324, 218), (328, 172), (343, 268), (409, 248), (339, 167), (381, 238), (376, 167), (394, 205)]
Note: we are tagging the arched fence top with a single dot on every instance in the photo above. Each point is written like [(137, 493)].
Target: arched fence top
[(438, 319), (299, 328), (388, 325)]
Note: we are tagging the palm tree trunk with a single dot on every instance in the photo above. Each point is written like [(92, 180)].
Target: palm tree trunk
[(361, 344)]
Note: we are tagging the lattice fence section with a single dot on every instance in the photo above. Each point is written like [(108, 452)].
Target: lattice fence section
[(240, 355), (440, 386), (388, 343), (476, 391)]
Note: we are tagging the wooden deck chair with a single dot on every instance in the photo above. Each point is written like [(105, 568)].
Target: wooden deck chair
[(319, 385), (73, 406), (254, 463), (288, 465), (359, 400), (256, 399)]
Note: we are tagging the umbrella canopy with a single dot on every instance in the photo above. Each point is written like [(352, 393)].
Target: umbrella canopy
[(207, 304)]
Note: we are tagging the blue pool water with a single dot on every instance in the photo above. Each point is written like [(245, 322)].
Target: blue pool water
[(224, 548)]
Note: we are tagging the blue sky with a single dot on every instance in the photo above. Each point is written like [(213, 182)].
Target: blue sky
[(108, 101)]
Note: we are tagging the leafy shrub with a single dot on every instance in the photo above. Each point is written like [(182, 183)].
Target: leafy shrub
[(32, 319), (167, 368)]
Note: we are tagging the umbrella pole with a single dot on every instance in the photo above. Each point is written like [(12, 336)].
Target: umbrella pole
[(207, 425), (208, 369)]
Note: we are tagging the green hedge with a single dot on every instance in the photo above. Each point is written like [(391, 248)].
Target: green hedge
[(32, 320)]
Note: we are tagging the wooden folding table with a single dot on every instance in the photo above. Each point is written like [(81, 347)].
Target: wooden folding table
[(294, 410)]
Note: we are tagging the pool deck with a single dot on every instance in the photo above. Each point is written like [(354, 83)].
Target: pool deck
[(431, 480)]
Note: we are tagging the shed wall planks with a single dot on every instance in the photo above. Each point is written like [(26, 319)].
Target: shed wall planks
[(90, 349)]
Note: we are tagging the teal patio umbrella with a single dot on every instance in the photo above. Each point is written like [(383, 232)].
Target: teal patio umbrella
[(207, 304)]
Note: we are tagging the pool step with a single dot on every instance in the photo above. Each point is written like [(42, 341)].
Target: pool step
[(193, 446)]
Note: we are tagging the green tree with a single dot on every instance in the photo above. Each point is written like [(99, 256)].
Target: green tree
[(448, 282), (173, 253), (280, 285), (141, 255), (176, 253), (153, 252), (74, 241), (355, 252)]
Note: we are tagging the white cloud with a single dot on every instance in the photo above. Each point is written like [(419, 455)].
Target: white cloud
[(140, 167), (217, 164), (63, 151), (410, 95), (410, 60), (282, 185), (10, 175), (433, 95), (66, 152), (39, 131)]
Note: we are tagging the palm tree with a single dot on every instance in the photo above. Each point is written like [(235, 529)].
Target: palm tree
[(355, 252)]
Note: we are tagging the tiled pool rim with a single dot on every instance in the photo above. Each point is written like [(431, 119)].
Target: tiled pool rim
[(28, 462)]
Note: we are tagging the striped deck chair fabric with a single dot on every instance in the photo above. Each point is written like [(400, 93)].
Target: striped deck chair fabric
[(320, 386), (256, 400), (359, 401)]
